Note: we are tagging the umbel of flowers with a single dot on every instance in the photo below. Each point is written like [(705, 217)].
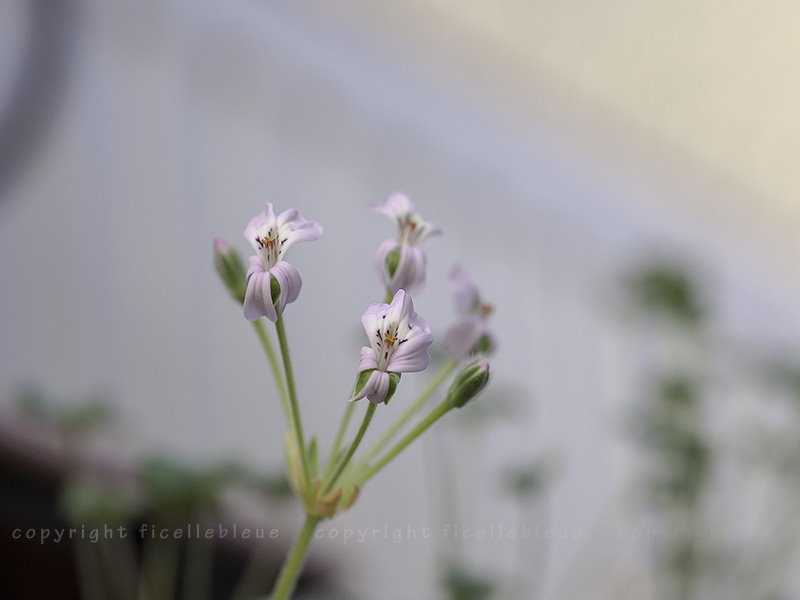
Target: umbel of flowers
[(398, 338)]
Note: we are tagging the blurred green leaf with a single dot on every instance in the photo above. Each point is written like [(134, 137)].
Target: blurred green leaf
[(176, 487), (80, 417), (87, 503), (531, 481), (666, 290), (460, 584)]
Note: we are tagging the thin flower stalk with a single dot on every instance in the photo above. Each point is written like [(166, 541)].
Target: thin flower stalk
[(408, 413), (353, 447), (295, 408), (277, 375), (337, 442)]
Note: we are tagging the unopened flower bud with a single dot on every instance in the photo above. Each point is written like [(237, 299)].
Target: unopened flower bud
[(469, 383), (230, 268)]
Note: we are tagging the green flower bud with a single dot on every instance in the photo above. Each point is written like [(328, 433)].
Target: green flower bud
[(469, 383), (230, 268)]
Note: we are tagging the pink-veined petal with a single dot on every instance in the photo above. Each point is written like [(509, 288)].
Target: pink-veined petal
[(263, 219), (289, 280), (258, 295), (412, 355), (410, 272), (375, 389), (294, 229), (369, 359)]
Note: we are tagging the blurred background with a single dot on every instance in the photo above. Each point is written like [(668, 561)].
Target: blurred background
[(620, 179)]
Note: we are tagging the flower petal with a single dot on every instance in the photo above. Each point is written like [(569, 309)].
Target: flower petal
[(294, 228), (465, 292), (289, 280), (412, 356), (410, 272), (402, 211), (258, 296), (379, 262), (264, 219), (376, 388), (462, 337), (372, 320), (369, 360)]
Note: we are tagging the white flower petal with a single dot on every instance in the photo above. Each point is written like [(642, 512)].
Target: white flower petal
[(410, 272), (368, 359), (412, 355), (289, 280), (258, 296), (375, 389)]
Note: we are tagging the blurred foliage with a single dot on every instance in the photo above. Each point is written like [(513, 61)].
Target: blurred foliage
[(668, 290), (175, 487), (80, 417), (667, 427), (462, 584), (93, 504), (529, 482)]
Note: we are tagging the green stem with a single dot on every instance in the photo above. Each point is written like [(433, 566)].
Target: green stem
[(348, 412), (436, 414), (276, 369), (294, 563), (412, 409), (298, 425), (352, 450)]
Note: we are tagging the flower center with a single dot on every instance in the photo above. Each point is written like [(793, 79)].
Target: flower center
[(269, 248), (408, 230), (387, 344)]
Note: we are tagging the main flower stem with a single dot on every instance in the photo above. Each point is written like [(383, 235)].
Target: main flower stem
[(437, 413), (294, 563), (352, 450), (258, 324), (412, 409), (295, 408)]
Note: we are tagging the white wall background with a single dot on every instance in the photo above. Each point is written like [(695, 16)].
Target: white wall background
[(180, 119)]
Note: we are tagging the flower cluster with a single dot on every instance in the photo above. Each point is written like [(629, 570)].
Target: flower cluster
[(399, 340)]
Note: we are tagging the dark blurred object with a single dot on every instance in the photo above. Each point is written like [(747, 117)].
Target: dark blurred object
[(50, 484), (31, 103)]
